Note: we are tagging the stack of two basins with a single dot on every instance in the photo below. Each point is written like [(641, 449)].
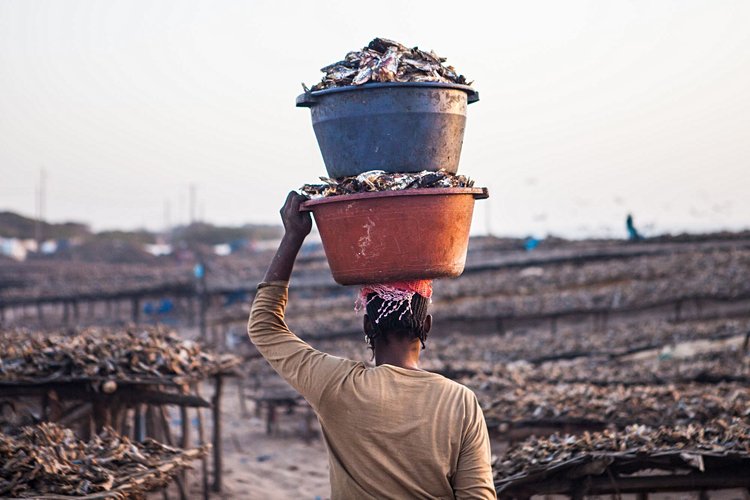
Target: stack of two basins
[(387, 236)]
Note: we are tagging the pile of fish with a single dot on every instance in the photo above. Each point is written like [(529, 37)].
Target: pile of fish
[(591, 349), (384, 60), (717, 436), (727, 365), (607, 285), (487, 368), (378, 180), (122, 354), (545, 403), (47, 459)]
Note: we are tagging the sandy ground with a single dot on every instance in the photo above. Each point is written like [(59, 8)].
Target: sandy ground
[(259, 466)]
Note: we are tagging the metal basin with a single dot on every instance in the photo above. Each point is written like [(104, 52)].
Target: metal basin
[(396, 127), (396, 235)]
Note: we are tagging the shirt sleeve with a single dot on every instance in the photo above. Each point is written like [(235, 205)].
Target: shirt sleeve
[(473, 478), (306, 369)]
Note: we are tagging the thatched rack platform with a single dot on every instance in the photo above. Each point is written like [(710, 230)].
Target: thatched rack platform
[(618, 473), (127, 393)]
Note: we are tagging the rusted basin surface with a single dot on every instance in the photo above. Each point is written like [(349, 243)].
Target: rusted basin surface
[(396, 235)]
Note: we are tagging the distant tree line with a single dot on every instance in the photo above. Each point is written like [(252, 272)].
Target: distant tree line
[(13, 225)]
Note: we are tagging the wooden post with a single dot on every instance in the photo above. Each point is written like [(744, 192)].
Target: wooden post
[(191, 311), (66, 315), (126, 425), (241, 393), (117, 414), (271, 417), (216, 401), (185, 423), (180, 480), (166, 430), (102, 415), (184, 441), (214, 340), (204, 460), (138, 433), (136, 309), (151, 429), (76, 316), (500, 326), (578, 490), (91, 431), (203, 306), (45, 406), (39, 312)]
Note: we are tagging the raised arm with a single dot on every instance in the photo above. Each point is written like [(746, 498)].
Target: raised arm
[(307, 370), (297, 226)]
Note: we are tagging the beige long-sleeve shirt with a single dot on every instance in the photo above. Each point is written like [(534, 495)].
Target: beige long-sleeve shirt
[(390, 432)]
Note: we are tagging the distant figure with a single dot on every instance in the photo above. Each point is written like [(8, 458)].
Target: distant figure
[(530, 243), (199, 270), (633, 234)]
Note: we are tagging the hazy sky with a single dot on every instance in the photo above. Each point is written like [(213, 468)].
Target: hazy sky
[(588, 109)]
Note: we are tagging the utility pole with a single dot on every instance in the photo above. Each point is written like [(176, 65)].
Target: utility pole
[(488, 217), (192, 203), (167, 221), (166, 215), (40, 202)]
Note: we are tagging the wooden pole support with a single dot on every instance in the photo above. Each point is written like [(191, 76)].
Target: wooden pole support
[(216, 403)]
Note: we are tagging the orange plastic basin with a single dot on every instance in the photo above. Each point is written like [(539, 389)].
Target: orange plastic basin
[(388, 236)]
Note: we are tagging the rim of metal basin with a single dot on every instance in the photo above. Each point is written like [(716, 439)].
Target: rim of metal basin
[(307, 99), (479, 194)]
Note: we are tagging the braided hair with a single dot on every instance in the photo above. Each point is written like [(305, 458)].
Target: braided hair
[(405, 321)]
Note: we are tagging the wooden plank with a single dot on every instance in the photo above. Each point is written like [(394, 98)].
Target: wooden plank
[(216, 403), (202, 442), (605, 485)]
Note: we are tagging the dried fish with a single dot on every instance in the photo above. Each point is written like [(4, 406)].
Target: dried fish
[(385, 60), (378, 180), (47, 459), (544, 403), (719, 435), (119, 354)]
